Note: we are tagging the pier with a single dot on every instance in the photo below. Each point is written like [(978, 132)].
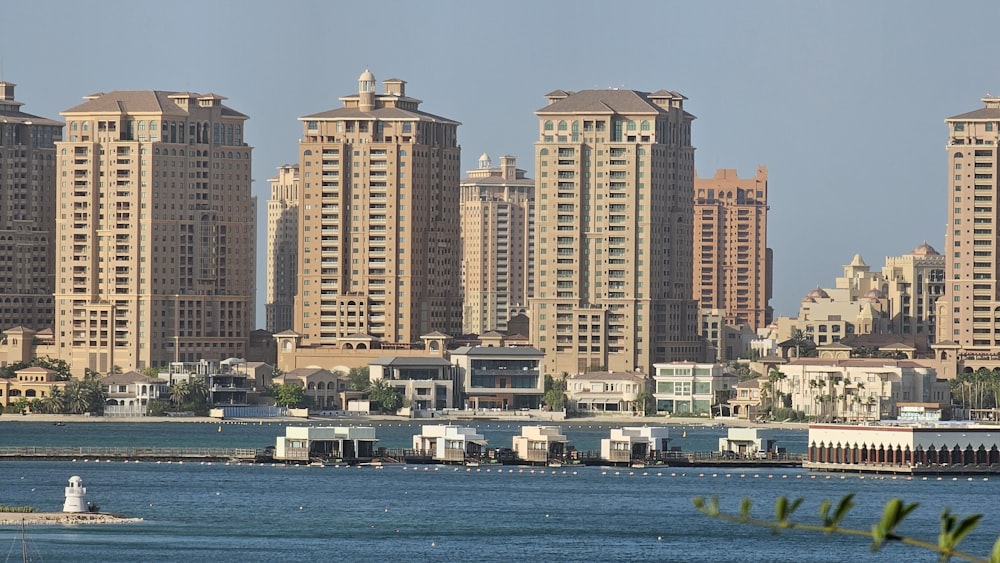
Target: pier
[(61, 453)]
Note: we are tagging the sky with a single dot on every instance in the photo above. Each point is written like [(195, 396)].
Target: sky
[(843, 101)]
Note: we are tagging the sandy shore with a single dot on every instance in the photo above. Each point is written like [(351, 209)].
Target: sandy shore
[(61, 518), (463, 417)]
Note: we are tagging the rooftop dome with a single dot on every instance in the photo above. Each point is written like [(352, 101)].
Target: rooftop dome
[(367, 75), (925, 250), (818, 293)]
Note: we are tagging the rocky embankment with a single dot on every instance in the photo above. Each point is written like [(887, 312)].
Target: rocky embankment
[(61, 518)]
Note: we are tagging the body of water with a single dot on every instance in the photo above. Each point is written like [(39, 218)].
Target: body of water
[(269, 512)]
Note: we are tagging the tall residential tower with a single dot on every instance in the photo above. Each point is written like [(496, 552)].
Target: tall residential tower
[(27, 214), (498, 206), (379, 220), (282, 248), (732, 264), (156, 231), (966, 313), (615, 174)]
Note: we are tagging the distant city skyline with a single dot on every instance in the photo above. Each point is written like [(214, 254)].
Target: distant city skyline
[(846, 112)]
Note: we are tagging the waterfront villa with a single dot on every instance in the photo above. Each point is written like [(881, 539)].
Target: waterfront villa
[(748, 442), (507, 378), (307, 443), (538, 444), (424, 382), (904, 448), (129, 393), (690, 388), (604, 391), (29, 383), (449, 443), (321, 386), (634, 443)]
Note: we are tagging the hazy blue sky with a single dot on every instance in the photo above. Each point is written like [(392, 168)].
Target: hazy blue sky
[(843, 101)]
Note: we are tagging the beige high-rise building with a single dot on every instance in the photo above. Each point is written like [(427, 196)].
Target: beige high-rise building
[(732, 265), (156, 226), (966, 313), (613, 236), (27, 214), (379, 217), (282, 248), (498, 206)]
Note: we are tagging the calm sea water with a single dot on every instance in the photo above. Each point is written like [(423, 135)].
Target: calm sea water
[(254, 512)]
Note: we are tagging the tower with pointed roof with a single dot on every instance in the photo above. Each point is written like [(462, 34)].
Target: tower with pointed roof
[(614, 232), (157, 231), (378, 220)]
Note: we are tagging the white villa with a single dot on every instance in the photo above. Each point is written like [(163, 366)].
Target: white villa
[(748, 442), (691, 388), (632, 442), (305, 443), (448, 442), (537, 444)]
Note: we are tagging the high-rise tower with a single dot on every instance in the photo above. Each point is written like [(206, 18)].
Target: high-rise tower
[(378, 249), (498, 206), (732, 266), (27, 214), (156, 231), (282, 247), (613, 236), (966, 312)]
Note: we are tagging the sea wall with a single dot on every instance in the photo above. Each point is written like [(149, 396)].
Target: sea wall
[(61, 518)]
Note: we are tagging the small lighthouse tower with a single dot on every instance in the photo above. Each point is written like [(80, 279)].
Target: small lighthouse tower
[(74, 496)]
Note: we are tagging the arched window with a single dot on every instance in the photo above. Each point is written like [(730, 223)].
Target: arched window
[(86, 126), (958, 154), (644, 126), (631, 126), (543, 152), (548, 125), (562, 125), (152, 125), (142, 125), (73, 124)]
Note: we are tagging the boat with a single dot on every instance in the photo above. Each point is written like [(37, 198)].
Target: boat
[(26, 548)]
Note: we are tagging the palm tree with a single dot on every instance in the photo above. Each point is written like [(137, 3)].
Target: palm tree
[(180, 392), (198, 390), (55, 403)]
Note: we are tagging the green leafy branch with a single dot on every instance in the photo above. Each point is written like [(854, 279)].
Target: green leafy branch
[(953, 529)]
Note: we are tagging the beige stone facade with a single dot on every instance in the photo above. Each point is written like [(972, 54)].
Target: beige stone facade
[(901, 299), (966, 315), (156, 225), (379, 219), (27, 214), (732, 264), (282, 248), (498, 206), (613, 236)]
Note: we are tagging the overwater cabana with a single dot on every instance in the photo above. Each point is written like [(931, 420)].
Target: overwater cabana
[(539, 444), (904, 448), (748, 442), (449, 443), (634, 443), (306, 443)]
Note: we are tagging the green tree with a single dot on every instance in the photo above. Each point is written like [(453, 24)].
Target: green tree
[(644, 403), (55, 402), (179, 393), (358, 379), (61, 367), (386, 396), (555, 392), (289, 395), (84, 396), (152, 371)]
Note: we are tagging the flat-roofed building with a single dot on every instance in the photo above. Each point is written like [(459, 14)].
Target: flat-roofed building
[(732, 264)]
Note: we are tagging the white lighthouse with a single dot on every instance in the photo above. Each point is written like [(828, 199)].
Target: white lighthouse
[(74, 496)]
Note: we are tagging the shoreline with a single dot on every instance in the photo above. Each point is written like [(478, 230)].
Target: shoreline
[(465, 419), (62, 518)]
